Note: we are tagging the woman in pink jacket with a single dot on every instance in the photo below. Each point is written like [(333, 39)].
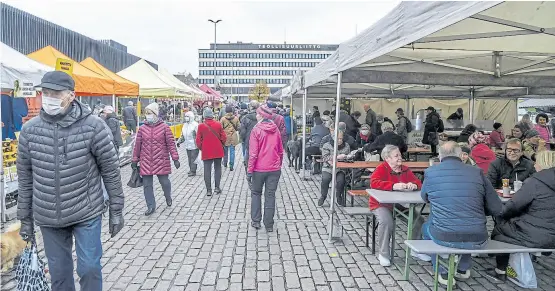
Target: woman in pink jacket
[(153, 147), (264, 167)]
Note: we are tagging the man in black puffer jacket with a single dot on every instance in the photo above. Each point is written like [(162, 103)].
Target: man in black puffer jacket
[(62, 155), (247, 124)]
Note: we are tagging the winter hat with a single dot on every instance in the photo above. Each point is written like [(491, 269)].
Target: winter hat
[(229, 109), (497, 125), (154, 108), (400, 110), (108, 109), (264, 111), (130, 103), (365, 127), (531, 133), (271, 105), (431, 108), (207, 113), (476, 139)]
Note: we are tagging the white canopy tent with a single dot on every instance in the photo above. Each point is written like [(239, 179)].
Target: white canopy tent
[(15, 66), (177, 82), (444, 50), (151, 82)]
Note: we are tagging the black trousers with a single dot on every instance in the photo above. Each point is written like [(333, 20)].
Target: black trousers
[(208, 173)]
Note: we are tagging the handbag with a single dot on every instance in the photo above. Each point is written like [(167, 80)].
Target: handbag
[(30, 272), (136, 180), (216, 135)]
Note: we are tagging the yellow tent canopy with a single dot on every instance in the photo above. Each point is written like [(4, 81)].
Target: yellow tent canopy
[(87, 82), (122, 86)]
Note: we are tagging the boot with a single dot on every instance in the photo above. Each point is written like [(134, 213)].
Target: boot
[(149, 211)]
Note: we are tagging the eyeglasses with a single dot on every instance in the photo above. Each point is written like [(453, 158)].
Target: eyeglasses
[(515, 151)]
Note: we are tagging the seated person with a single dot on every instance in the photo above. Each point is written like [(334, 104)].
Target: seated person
[(533, 143), (466, 133), (343, 150), (346, 138), (517, 132), (313, 143), (465, 155), (480, 152), (389, 137), (528, 218), (512, 166), (365, 136), (459, 196), (497, 136), (391, 175)]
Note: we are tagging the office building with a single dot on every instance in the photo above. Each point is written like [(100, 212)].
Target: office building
[(239, 66)]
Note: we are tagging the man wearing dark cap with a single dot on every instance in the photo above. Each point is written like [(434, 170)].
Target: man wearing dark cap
[(431, 128), (457, 118), (402, 125), (62, 156)]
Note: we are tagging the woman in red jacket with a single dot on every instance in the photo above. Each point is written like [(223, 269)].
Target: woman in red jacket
[(153, 147), (210, 140), (391, 175), (480, 152)]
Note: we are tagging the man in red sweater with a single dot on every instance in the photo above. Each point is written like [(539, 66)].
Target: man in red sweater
[(391, 175)]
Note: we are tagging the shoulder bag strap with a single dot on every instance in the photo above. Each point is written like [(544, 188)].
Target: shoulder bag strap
[(213, 132)]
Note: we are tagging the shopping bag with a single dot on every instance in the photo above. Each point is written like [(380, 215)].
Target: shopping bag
[(30, 272), (136, 180), (521, 271)]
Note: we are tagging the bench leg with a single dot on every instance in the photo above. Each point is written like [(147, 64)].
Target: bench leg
[(451, 273), (367, 229), (436, 273), (392, 251), (352, 200), (373, 235)]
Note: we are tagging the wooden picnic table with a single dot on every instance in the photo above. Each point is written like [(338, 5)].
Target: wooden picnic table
[(414, 166), (418, 151)]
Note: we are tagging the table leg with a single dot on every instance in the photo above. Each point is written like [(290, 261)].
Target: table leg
[(410, 221), (393, 235), (436, 272)]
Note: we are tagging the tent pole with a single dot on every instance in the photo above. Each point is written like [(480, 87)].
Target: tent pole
[(291, 116), (407, 106), (334, 158), (516, 114), (114, 103), (472, 104), (303, 158)]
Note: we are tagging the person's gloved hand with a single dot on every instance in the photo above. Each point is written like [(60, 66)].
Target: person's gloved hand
[(178, 144), (27, 231), (116, 223), (249, 177), (177, 164), (134, 166)]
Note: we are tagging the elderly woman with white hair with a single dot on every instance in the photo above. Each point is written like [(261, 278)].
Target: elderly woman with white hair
[(392, 175), (389, 137), (528, 218)]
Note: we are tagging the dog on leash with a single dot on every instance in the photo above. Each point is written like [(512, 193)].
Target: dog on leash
[(12, 245), (294, 149)]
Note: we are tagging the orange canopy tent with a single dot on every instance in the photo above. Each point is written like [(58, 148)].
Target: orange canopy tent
[(122, 86), (87, 82)]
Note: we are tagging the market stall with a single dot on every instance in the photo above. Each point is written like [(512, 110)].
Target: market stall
[(153, 84), (445, 51), (19, 76)]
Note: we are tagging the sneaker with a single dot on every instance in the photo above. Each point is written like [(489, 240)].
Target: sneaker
[(149, 211), (208, 192), (218, 191), (231, 168), (269, 229), (385, 262), (463, 275), (256, 225), (496, 275), (191, 174), (321, 201), (421, 257), (443, 280)]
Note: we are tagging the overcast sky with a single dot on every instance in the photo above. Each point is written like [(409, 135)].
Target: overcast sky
[(170, 33)]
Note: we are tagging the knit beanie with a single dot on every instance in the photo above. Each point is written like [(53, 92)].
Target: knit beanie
[(154, 108), (264, 111), (207, 113)]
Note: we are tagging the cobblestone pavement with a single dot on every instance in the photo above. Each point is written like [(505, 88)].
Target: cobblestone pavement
[(206, 243)]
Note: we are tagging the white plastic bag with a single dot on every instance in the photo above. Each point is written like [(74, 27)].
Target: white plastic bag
[(521, 271)]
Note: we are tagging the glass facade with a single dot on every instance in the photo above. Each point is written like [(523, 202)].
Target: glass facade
[(245, 81), (247, 72), (318, 56), (260, 64)]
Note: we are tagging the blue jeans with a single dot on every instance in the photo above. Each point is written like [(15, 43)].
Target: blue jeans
[(58, 246), (465, 261), (229, 152)]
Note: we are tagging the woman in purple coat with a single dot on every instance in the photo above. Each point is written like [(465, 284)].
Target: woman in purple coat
[(153, 147)]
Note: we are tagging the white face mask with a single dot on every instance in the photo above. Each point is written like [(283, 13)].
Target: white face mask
[(151, 117), (364, 132), (52, 106), (187, 119)]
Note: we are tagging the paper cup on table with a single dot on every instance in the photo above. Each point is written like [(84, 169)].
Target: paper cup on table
[(517, 185), (507, 192)]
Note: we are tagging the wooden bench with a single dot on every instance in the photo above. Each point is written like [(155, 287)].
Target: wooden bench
[(366, 212), (357, 193), (492, 247)]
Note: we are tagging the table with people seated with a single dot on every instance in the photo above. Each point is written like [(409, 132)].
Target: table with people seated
[(415, 151), (410, 198)]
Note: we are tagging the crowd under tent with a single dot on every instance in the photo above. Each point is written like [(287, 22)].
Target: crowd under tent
[(445, 51)]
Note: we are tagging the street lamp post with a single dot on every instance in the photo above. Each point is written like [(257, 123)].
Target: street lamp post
[(215, 30)]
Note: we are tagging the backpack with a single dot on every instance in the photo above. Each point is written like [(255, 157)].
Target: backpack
[(440, 127), (409, 124)]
